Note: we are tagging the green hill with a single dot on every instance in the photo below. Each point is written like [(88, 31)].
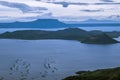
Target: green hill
[(102, 74), (66, 34), (99, 39)]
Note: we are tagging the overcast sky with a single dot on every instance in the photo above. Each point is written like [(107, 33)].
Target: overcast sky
[(65, 10)]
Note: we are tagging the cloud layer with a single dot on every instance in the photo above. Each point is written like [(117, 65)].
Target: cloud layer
[(64, 10)]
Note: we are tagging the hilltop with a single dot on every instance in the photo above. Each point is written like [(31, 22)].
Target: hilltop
[(99, 39), (54, 23), (40, 23), (66, 34)]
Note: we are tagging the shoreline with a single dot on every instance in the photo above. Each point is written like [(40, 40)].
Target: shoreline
[(99, 74)]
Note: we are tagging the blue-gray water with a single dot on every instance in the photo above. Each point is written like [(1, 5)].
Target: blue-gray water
[(54, 59)]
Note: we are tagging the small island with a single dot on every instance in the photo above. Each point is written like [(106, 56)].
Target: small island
[(89, 37), (101, 74)]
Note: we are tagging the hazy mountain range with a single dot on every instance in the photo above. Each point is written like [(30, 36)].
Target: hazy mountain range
[(54, 23)]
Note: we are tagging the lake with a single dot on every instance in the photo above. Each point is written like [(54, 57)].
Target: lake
[(53, 59)]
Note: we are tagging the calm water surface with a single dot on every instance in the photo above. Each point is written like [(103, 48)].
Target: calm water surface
[(67, 56), (53, 59)]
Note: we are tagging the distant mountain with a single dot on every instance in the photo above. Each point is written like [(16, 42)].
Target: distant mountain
[(40, 23), (54, 23), (92, 21), (99, 21)]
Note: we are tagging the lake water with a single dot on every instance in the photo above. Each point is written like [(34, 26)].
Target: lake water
[(53, 59)]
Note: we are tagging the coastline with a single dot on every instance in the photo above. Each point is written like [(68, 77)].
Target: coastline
[(99, 74)]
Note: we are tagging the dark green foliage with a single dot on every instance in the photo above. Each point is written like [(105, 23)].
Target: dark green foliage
[(101, 38), (113, 34), (103, 74), (66, 34)]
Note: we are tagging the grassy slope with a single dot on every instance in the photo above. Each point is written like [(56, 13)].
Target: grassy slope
[(103, 74)]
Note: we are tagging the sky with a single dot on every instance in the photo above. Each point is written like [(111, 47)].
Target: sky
[(63, 10)]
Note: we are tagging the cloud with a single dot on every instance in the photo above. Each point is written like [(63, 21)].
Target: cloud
[(107, 0), (114, 17), (65, 10), (13, 11), (66, 3), (88, 10), (47, 15), (106, 4), (23, 7), (7, 19)]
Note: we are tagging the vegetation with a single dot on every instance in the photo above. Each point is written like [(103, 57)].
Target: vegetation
[(103, 74), (99, 39), (66, 34)]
